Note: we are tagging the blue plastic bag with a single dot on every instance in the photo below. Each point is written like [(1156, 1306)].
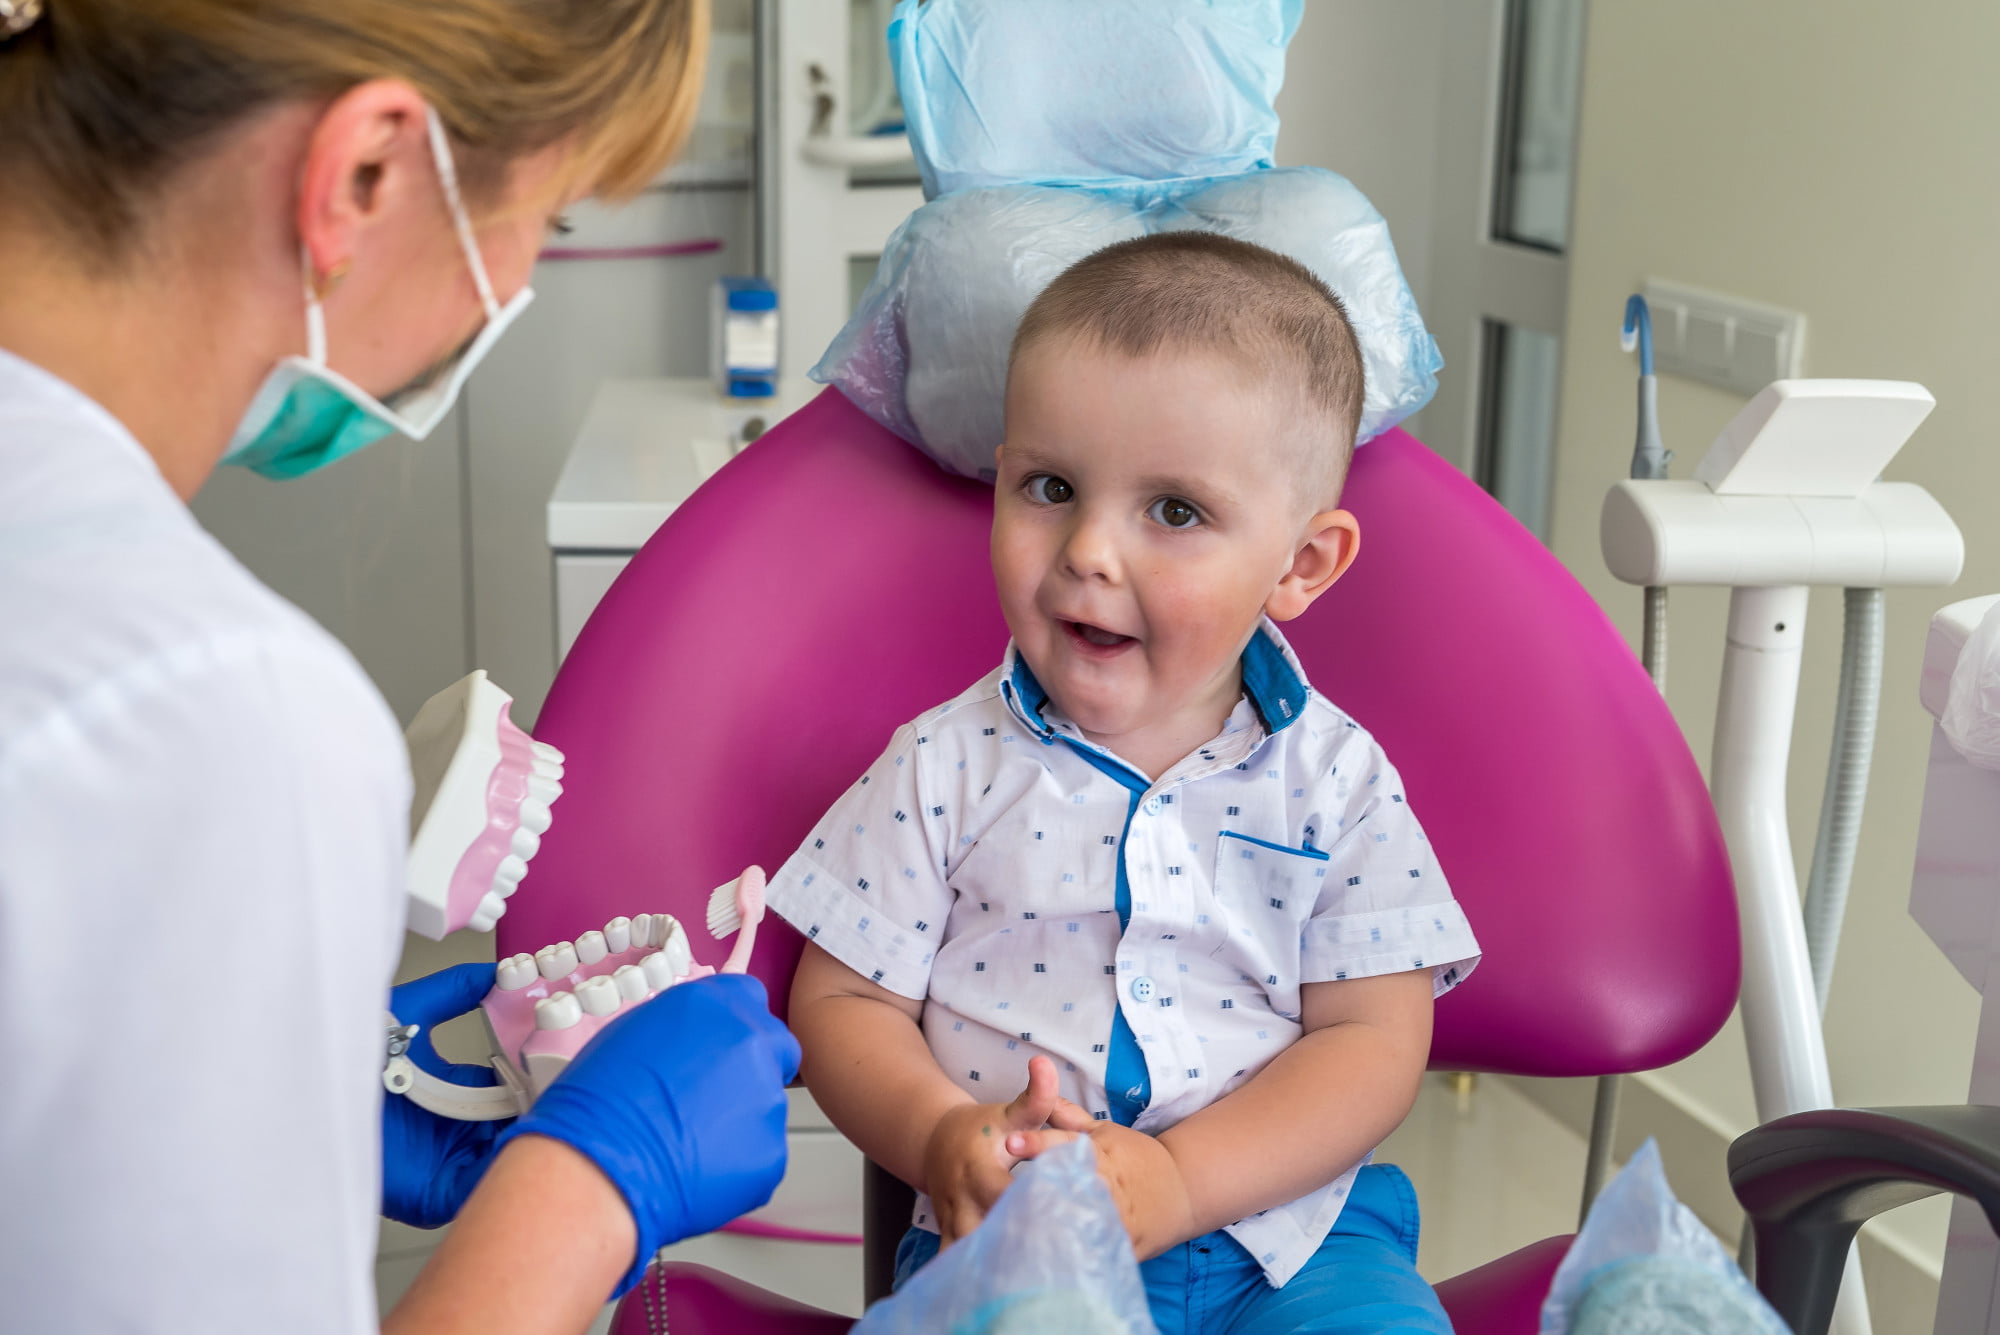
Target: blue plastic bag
[(1644, 1265), (1052, 1258), (1049, 129), (1088, 91)]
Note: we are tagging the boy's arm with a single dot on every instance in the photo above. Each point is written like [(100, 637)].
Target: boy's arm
[(1316, 1109), (1298, 1124), (867, 1064)]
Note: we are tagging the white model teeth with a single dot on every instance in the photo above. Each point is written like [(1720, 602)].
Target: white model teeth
[(515, 972), (544, 789), (491, 907), (591, 947), (673, 943), (659, 971), (535, 816), (599, 995), (618, 935), (559, 1011), (526, 843), (631, 980), (543, 751), (544, 766), (642, 931), (557, 960), (507, 876)]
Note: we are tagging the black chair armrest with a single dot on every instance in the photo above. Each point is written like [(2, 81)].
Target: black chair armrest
[(886, 1204), (1809, 1181)]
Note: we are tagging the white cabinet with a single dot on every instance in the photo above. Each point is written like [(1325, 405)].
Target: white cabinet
[(644, 446)]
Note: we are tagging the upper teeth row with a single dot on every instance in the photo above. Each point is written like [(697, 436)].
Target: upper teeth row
[(647, 931)]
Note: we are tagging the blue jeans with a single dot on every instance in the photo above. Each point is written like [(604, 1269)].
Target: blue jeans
[(1362, 1281)]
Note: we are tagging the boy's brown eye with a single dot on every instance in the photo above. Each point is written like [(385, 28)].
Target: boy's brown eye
[(1051, 490), (1174, 513)]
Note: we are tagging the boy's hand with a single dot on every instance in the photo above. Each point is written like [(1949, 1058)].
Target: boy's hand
[(966, 1164), (1140, 1171)]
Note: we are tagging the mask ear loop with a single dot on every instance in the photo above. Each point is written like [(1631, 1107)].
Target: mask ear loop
[(315, 316), (448, 176)]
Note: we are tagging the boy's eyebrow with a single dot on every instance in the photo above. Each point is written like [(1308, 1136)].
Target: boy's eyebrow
[(1203, 490)]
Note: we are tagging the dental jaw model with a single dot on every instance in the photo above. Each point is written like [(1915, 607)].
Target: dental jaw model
[(546, 1006), (483, 789)]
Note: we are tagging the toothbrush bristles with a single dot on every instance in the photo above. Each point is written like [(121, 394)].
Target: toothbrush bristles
[(724, 919)]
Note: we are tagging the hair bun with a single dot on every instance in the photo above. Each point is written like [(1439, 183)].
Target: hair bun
[(17, 16)]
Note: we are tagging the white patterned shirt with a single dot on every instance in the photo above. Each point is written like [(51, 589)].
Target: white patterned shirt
[(1041, 896)]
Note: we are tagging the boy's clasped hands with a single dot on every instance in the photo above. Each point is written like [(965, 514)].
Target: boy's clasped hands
[(972, 1154)]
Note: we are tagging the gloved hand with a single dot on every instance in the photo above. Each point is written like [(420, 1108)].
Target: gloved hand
[(430, 1164), (681, 1103)]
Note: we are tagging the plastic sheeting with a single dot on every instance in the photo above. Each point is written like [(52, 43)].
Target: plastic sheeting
[(1089, 91), (1644, 1265), (1971, 718), (1051, 1258), (1049, 129), (926, 352)]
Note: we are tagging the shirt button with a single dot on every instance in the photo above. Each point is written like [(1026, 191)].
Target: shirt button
[(1142, 988), (1152, 806)]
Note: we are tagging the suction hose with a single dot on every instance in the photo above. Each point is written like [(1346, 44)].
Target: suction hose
[(1846, 782)]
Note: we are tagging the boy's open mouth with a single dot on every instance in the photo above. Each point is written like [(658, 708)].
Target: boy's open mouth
[(1095, 640)]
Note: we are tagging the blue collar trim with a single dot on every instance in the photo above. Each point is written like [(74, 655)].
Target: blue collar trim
[(1272, 679), (1025, 694)]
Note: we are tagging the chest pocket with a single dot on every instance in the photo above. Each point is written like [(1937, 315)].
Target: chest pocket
[(1266, 892)]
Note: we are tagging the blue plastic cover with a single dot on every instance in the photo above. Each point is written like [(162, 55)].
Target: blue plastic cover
[(1644, 1265), (1051, 1258), (1049, 129), (1087, 91)]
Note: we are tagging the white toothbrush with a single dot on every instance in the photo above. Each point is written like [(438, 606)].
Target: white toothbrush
[(734, 906)]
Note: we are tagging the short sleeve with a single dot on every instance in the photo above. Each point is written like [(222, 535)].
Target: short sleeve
[(868, 884), (1386, 907)]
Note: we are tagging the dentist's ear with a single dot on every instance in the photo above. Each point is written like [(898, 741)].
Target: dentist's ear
[(367, 159), (1332, 539)]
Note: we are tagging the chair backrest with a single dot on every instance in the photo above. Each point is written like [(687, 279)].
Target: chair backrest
[(830, 583)]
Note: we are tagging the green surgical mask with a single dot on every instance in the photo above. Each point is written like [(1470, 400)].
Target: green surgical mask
[(306, 415)]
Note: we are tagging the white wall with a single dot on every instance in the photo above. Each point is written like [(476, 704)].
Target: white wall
[(1361, 97), (1836, 159)]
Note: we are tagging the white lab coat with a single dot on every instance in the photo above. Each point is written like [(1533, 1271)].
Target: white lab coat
[(203, 819)]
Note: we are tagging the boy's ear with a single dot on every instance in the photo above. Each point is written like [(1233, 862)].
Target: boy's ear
[(1332, 539)]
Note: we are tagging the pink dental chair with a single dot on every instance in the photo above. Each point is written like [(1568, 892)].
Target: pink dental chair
[(831, 583)]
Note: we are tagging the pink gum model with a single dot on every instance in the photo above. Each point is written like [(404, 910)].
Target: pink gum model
[(482, 799)]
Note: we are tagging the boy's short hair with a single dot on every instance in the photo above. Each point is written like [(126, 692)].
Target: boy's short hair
[(1208, 292)]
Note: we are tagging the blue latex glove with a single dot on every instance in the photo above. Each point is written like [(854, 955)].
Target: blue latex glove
[(430, 1164), (681, 1103)]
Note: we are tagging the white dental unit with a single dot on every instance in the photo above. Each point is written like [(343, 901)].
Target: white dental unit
[(1789, 497)]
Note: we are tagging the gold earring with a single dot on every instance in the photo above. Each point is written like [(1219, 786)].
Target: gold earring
[(324, 285)]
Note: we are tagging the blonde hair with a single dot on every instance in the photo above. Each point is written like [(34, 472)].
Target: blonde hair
[(102, 100)]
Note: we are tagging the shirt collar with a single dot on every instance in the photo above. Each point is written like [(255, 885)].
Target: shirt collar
[(1273, 681)]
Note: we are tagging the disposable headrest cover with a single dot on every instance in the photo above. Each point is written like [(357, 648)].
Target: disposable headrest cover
[(926, 351), (991, 99)]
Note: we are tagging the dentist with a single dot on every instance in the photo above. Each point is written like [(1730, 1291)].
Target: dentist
[(267, 233)]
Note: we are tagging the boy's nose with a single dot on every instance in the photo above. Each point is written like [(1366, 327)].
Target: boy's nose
[(1090, 551)]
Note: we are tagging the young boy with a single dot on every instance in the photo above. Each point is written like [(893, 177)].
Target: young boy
[(1143, 864)]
